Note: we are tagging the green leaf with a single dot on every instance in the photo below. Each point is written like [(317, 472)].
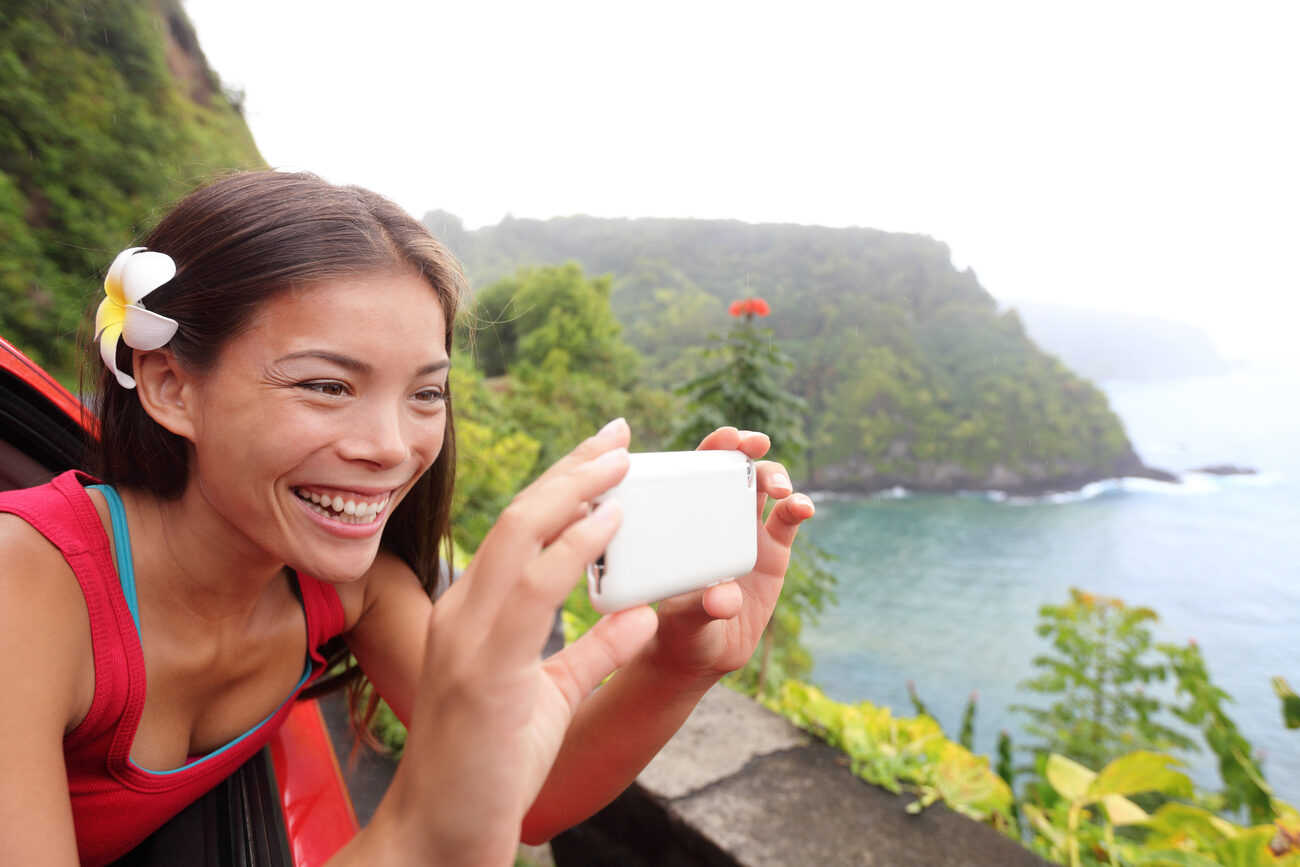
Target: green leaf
[(1186, 821), (1139, 772), (1070, 779), (1043, 825), (1122, 811), (1175, 858), (1290, 703)]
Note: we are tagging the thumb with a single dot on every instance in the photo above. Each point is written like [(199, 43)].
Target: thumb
[(612, 642)]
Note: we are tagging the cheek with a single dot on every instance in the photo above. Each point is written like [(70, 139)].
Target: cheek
[(433, 438), (258, 438)]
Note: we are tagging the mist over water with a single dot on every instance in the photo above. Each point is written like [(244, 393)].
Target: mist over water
[(944, 590)]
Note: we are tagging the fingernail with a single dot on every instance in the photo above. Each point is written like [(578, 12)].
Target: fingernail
[(613, 456), (747, 433), (610, 428), (607, 512), (780, 480)]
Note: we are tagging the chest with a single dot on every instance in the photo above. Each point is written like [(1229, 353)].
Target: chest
[(204, 691)]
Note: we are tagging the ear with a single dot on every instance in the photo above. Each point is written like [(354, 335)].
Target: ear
[(166, 389)]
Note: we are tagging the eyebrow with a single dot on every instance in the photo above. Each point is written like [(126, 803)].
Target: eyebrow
[(356, 365)]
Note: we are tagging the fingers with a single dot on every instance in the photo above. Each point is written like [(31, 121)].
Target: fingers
[(783, 524), (614, 435), (723, 601), (752, 443), (552, 503), (549, 577), (772, 481), (612, 642)]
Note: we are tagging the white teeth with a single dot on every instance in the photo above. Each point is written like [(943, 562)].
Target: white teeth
[(344, 511)]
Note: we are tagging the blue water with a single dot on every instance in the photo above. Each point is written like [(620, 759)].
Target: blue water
[(944, 590)]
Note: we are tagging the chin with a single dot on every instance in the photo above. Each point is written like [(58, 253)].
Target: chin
[(336, 570)]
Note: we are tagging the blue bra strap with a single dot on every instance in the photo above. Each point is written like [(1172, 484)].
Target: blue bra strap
[(122, 541)]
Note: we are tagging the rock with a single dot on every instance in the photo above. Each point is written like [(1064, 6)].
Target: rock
[(1226, 470), (740, 786)]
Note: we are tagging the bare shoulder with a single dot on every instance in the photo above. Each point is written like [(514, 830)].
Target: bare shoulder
[(44, 625), (389, 574), (49, 684)]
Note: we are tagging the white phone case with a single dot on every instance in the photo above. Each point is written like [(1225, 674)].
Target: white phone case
[(689, 521)]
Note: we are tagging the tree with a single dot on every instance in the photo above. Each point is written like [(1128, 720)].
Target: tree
[(558, 364), (556, 318), (1103, 658), (744, 390)]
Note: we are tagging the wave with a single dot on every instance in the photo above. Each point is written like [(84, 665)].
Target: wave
[(825, 496), (1090, 491), (1190, 485), (898, 492)]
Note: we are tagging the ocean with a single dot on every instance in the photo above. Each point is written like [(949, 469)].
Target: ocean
[(944, 590)]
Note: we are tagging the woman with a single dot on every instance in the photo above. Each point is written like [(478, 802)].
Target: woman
[(278, 455)]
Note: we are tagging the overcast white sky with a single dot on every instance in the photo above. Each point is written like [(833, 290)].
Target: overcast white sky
[(1132, 156)]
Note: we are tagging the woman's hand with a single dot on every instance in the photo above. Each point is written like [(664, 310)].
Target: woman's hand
[(491, 715), (708, 633)]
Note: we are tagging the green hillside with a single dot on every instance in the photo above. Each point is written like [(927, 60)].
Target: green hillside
[(911, 375), (108, 110)]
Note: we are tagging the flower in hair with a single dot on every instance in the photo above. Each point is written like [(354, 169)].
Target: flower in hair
[(134, 274)]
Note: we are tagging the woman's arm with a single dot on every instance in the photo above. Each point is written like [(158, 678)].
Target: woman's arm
[(701, 636), (485, 717), (45, 645)]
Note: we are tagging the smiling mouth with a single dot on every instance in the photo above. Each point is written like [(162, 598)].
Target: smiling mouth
[(344, 507)]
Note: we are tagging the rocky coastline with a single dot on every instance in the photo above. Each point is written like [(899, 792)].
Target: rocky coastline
[(1029, 479)]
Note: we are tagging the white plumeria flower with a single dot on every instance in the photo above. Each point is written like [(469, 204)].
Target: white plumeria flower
[(134, 274)]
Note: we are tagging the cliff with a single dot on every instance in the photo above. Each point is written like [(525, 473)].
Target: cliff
[(911, 374), (108, 110)]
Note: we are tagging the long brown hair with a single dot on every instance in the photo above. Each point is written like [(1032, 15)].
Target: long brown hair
[(238, 243)]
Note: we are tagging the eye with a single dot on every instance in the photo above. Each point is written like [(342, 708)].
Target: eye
[(327, 387), (432, 394)]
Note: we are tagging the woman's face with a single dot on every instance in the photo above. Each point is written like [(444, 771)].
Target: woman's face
[(319, 418)]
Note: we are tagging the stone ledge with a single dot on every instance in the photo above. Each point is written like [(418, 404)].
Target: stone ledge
[(740, 785)]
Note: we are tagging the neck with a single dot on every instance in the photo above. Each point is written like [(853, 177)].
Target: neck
[(192, 565)]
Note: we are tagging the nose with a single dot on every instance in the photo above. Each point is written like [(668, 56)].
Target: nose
[(378, 436)]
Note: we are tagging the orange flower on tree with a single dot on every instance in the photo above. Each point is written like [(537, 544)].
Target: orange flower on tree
[(749, 307)]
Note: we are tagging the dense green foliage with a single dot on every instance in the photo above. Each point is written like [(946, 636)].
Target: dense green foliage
[(1103, 657), (741, 387), (1087, 817), (1102, 663), (1138, 809), (910, 374), (108, 110), (555, 358), (1243, 779), (901, 754)]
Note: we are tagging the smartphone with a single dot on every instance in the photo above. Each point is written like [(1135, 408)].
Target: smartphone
[(690, 521)]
